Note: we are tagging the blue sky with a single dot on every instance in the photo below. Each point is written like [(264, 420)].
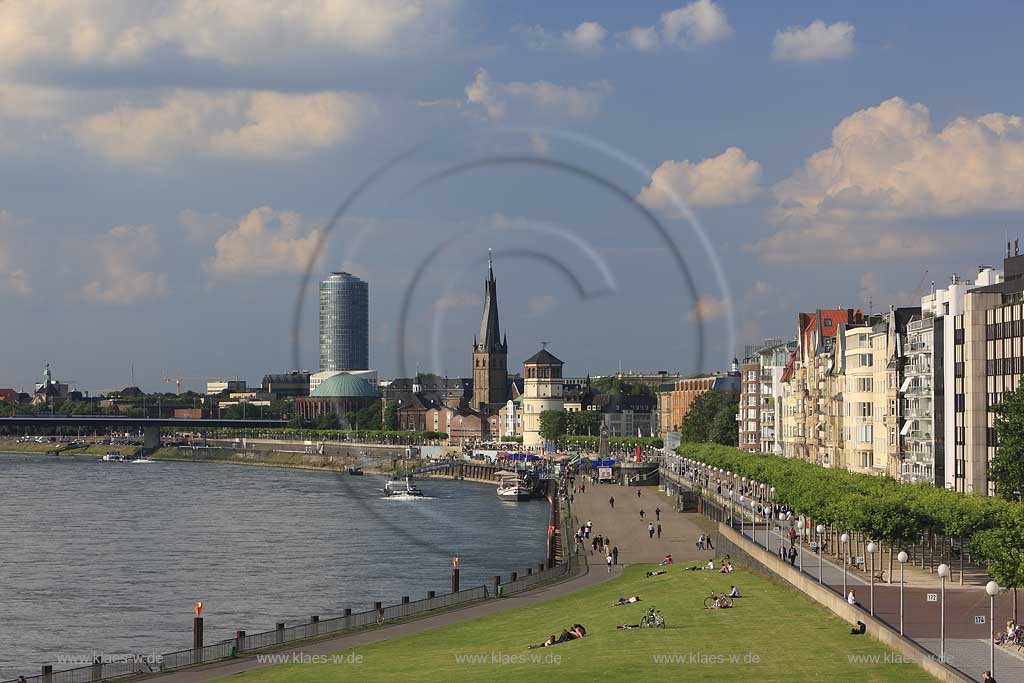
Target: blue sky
[(166, 170)]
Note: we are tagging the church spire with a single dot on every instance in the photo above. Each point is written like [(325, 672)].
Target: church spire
[(490, 329)]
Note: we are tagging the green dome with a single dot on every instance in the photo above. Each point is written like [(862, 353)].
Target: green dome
[(345, 386)]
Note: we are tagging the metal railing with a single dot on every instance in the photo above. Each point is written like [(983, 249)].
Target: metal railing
[(100, 671)]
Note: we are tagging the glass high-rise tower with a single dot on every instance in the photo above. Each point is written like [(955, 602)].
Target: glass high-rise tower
[(344, 323)]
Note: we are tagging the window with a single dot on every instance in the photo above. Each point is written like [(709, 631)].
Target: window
[(827, 322)]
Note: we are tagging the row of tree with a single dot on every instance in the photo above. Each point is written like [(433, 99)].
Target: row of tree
[(882, 508)]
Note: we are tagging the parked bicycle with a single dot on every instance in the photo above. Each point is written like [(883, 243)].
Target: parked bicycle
[(652, 619), (722, 602)]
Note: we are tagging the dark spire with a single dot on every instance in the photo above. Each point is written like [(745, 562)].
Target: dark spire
[(490, 330)]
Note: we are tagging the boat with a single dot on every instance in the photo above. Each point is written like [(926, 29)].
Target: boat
[(511, 487), (401, 488), (142, 460), (111, 456), (355, 471)]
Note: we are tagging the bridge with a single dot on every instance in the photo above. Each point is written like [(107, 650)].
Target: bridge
[(150, 426)]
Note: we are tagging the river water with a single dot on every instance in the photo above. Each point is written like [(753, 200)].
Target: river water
[(108, 558)]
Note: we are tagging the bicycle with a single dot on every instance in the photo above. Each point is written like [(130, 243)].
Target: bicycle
[(723, 602), (652, 619)]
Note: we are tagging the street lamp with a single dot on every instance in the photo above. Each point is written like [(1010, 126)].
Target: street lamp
[(871, 551), (753, 523), (820, 529), (943, 573), (732, 517), (742, 501), (992, 588), (902, 557), (845, 540)]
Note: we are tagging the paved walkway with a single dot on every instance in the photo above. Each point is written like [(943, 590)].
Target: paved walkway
[(628, 532), (201, 674)]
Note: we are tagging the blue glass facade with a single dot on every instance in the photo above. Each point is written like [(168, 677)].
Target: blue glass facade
[(344, 323)]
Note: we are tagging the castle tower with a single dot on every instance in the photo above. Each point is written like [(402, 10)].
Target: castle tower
[(542, 390), (490, 353)]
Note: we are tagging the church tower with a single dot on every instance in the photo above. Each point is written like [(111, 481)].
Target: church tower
[(490, 352)]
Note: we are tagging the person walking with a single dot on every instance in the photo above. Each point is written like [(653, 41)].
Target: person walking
[(707, 542), (659, 530), (642, 513), (650, 530), (611, 502), (657, 514), (608, 559), (700, 542), (986, 677), (615, 554), (792, 556), (638, 493)]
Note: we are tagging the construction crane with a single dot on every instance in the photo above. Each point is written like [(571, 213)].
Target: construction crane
[(178, 379), (920, 284)]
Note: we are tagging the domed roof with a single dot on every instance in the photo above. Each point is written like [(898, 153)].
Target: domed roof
[(345, 385)]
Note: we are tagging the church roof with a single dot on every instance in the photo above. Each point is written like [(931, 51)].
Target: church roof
[(542, 357)]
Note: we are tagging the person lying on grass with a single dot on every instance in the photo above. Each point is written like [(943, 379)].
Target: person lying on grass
[(667, 560), (626, 627), (657, 573), (577, 631), (547, 643), (626, 601)]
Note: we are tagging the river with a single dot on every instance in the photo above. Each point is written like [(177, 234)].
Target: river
[(108, 558)]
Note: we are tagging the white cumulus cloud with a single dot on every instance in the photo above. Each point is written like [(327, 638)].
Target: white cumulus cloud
[(264, 242), (729, 178), (695, 25), (125, 262), (888, 168), (117, 33), (643, 38), (500, 100), (814, 42), (586, 38), (235, 124)]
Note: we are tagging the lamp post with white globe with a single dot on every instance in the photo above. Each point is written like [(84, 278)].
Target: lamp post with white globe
[(992, 588), (845, 540), (743, 501), (820, 529), (902, 557), (943, 573), (871, 551)]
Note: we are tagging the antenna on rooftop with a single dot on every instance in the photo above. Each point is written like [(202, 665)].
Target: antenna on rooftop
[(544, 344)]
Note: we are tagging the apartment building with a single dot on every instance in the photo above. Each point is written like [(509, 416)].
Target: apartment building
[(675, 398), (811, 422), (761, 394)]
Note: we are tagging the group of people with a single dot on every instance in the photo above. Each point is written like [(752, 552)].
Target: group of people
[(704, 542), (718, 602), (599, 543), (577, 631), (788, 553), (1012, 635)]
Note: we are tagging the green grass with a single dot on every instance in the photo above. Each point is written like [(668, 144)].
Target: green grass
[(792, 639)]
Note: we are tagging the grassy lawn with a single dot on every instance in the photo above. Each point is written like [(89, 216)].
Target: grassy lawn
[(776, 634)]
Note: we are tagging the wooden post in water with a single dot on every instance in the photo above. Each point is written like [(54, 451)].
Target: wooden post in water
[(431, 595), (47, 673), (455, 575), (197, 632), (495, 584)]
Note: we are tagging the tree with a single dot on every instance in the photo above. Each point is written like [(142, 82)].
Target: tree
[(583, 423), (711, 419), (552, 424), (1003, 548), (391, 416), (328, 420), (369, 418), (1007, 468)]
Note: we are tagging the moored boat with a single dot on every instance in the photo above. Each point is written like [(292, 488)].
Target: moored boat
[(511, 487)]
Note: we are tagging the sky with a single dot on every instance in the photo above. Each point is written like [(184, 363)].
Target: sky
[(661, 183)]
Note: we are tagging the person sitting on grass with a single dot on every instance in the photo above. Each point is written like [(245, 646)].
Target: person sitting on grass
[(547, 643), (722, 603), (714, 598), (726, 568), (710, 566), (859, 629), (626, 601), (667, 560), (734, 592), (657, 573)]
